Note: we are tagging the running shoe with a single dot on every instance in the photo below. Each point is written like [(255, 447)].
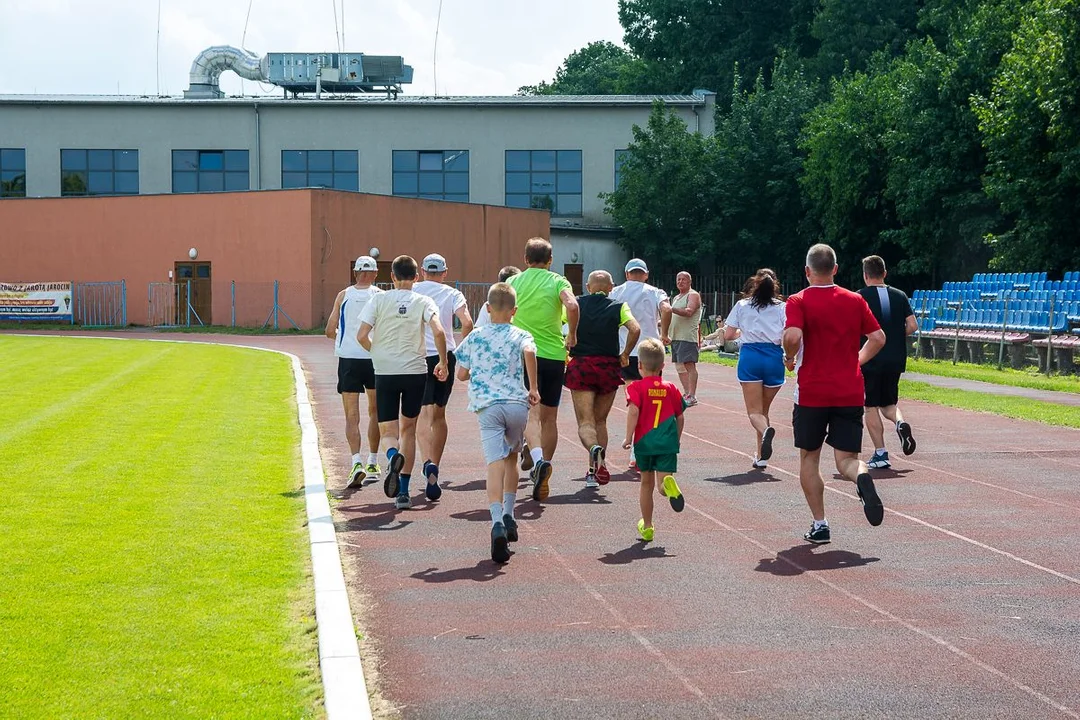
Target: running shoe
[(633, 464), (759, 464), (390, 484), (356, 477), (500, 547), (403, 502), (907, 442), (691, 400), (431, 472), (872, 507), (540, 475), (818, 534), (590, 480), (511, 528), (646, 533), (526, 458), (673, 493), (766, 443), (879, 460), (603, 476), (596, 457), (373, 470)]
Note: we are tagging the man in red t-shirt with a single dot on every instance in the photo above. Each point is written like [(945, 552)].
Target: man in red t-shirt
[(825, 325)]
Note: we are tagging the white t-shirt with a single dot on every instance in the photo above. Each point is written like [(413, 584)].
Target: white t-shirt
[(398, 319), (354, 302), (758, 325), (483, 317), (644, 302), (448, 300)]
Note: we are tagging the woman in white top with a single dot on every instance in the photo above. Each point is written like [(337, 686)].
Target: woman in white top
[(759, 321)]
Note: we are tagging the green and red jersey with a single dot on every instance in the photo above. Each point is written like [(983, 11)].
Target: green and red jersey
[(659, 404)]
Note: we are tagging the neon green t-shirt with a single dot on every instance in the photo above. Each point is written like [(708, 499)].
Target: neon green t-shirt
[(539, 309)]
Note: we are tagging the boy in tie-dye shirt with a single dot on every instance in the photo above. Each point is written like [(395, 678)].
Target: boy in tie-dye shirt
[(491, 359)]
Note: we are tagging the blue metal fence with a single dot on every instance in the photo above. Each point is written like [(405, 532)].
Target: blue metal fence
[(100, 304)]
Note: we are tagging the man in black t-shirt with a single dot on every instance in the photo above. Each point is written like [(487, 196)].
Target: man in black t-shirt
[(882, 373)]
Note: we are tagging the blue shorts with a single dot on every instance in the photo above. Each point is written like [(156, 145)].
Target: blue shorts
[(761, 362)]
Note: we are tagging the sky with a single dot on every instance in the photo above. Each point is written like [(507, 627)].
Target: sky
[(485, 47)]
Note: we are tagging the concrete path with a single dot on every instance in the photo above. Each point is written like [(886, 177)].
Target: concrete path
[(1051, 396)]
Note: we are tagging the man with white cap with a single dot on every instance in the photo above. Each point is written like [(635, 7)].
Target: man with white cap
[(432, 429), (356, 374), (649, 305)]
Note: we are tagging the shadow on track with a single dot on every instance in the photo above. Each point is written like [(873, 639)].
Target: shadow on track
[(638, 551), (747, 478), (802, 558), (483, 571)]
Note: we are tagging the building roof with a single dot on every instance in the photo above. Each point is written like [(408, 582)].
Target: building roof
[(371, 99)]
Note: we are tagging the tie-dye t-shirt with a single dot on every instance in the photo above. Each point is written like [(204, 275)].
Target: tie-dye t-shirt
[(492, 354)]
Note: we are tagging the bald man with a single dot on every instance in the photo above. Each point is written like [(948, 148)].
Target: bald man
[(594, 373)]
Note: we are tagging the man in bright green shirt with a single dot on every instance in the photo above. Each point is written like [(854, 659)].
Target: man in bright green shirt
[(542, 297)]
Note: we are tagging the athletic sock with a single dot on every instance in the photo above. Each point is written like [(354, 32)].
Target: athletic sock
[(403, 483), (537, 454), (496, 512), (373, 458), (880, 451), (391, 452), (508, 503), (820, 524), (356, 458)]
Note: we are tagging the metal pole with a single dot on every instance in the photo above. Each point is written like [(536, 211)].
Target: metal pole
[(187, 301), (233, 290), (276, 305), (1050, 336), (1004, 322), (74, 297), (123, 302), (918, 330), (956, 340)]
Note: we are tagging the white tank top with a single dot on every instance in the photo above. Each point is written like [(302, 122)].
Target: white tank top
[(348, 324)]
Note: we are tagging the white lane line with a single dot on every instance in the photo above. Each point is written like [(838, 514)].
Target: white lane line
[(344, 689)]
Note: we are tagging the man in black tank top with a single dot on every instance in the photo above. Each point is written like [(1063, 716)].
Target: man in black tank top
[(594, 370)]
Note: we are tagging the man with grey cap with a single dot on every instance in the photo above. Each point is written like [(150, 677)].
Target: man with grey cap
[(356, 374), (650, 307), (432, 428)]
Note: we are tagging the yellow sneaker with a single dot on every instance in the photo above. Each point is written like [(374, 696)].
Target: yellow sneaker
[(673, 493), (645, 532)]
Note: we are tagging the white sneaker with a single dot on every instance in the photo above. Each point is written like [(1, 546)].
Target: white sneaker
[(590, 480), (760, 464)]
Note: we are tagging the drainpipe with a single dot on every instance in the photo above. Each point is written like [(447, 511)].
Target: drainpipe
[(258, 149)]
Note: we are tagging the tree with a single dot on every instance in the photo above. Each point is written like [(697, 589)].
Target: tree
[(600, 68), (850, 32)]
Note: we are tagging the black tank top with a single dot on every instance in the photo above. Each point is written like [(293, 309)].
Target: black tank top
[(598, 326)]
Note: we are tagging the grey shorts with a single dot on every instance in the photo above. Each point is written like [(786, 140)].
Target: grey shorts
[(502, 428), (684, 351)]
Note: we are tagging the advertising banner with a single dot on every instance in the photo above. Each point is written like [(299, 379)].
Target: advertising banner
[(35, 301)]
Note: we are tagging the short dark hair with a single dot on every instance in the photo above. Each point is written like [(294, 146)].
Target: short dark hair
[(821, 259), (508, 272), (873, 267), (404, 268), (537, 251)]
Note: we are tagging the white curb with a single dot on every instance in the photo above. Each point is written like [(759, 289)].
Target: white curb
[(344, 689)]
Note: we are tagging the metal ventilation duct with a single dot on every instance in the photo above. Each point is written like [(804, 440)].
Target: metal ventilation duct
[(207, 68)]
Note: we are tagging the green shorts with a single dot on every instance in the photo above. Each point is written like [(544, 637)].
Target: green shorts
[(659, 463)]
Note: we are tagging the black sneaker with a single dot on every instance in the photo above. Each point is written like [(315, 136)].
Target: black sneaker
[(390, 484), (766, 443), (819, 535), (511, 528), (871, 503), (541, 474), (526, 458), (500, 549), (907, 442)]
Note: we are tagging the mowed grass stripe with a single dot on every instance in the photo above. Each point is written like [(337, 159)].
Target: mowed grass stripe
[(154, 560)]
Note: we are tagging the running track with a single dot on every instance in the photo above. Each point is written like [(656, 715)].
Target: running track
[(965, 603)]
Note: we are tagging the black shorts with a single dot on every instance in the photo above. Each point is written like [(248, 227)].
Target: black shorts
[(399, 392), (840, 427), (549, 376), (438, 392), (631, 371), (354, 375), (882, 388)]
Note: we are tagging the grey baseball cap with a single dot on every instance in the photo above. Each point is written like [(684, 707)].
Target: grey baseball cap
[(435, 263), (636, 264)]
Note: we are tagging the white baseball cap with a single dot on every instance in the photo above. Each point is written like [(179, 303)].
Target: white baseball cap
[(366, 263), (636, 264), (434, 263)]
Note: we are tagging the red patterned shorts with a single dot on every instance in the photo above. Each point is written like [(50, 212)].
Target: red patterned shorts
[(601, 375)]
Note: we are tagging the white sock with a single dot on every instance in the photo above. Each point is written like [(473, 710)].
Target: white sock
[(820, 524), (373, 458), (508, 503), (881, 451), (496, 512), (356, 458), (537, 454)]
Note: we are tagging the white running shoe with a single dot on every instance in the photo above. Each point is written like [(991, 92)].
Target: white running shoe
[(760, 464)]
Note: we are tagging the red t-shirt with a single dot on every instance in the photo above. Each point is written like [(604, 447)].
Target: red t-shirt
[(833, 321), (659, 403)]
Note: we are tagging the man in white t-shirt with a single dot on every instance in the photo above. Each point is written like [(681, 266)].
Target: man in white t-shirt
[(398, 353), (482, 316), (650, 307), (356, 374), (432, 430)]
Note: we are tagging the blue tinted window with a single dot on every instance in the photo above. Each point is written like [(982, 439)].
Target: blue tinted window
[(183, 160), (346, 181), (211, 181), (184, 182), (293, 161), (96, 171), (346, 161), (321, 179), (210, 170), (236, 160), (293, 180), (432, 174), (211, 161), (236, 181), (12, 172), (320, 161), (544, 179), (621, 156), (338, 169)]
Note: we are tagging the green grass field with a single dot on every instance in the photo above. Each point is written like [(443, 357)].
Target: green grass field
[(1027, 378), (153, 560)]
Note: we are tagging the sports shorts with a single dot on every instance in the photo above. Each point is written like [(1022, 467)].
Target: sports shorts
[(840, 427), (437, 392), (502, 427), (394, 393), (631, 371), (761, 362), (599, 374), (355, 375), (657, 463), (549, 379), (684, 351), (882, 388)]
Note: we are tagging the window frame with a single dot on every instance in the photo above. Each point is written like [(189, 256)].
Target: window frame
[(554, 167), (335, 175), (408, 171), (15, 170), (99, 170), (227, 171)]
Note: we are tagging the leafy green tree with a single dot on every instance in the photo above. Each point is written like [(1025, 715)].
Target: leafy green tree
[(601, 68), (1031, 126), (850, 32)]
